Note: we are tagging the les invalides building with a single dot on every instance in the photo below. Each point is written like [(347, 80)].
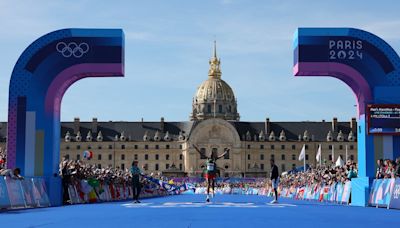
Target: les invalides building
[(167, 147)]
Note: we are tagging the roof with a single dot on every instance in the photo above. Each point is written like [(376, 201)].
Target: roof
[(134, 131)]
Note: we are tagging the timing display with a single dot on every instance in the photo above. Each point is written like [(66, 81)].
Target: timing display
[(383, 119)]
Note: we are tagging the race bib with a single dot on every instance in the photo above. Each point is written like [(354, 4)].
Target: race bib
[(210, 166)]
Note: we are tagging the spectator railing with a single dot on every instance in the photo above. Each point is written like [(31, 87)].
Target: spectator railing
[(83, 192), (26, 193)]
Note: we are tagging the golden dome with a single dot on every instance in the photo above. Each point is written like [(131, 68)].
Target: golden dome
[(214, 97)]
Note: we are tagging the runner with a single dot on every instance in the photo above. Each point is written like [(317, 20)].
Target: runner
[(211, 169)]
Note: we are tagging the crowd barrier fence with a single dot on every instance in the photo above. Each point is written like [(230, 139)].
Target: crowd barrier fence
[(385, 193), (26, 193), (83, 192)]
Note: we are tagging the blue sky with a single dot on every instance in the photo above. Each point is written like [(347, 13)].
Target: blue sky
[(169, 43)]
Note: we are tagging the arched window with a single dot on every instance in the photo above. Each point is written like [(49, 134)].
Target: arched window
[(209, 108)]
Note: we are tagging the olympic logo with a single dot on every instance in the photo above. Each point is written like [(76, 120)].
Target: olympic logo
[(72, 49)]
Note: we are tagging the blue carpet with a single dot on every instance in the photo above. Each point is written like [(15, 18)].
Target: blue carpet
[(191, 211)]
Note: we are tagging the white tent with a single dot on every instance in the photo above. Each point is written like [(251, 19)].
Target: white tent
[(339, 162)]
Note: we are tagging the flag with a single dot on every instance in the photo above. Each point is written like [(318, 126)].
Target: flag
[(339, 162), (318, 157), (302, 153)]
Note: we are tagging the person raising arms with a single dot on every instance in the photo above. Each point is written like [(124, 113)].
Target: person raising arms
[(211, 169)]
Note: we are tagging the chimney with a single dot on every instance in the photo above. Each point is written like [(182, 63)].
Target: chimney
[(334, 124), (94, 125), (267, 126), (76, 125), (353, 125), (162, 125)]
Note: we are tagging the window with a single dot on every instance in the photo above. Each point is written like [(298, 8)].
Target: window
[(340, 147), (166, 166), (283, 157), (261, 156), (180, 166), (248, 146), (89, 147), (214, 151), (110, 157), (272, 147), (157, 156), (146, 167), (78, 147), (330, 147), (293, 166), (293, 147), (293, 157), (122, 166), (167, 147), (135, 157), (99, 166), (180, 147), (146, 157), (330, 157), (135, 147), (123, 147), (220, 108), (99, 157), (226, 167), (272, 156), (248, 166), (181, 157), (209, 108), (156, 167), (78, 157), (110, 147), (307, 157), (352, 157), (248, 157), (282, 147), (262, 166), (67, 147), (157, 147), (261, 147), (167, 157), (146, 147), (226, 156), (67, 156), (306, 147), (203, 153), (283, 168), (122, 156), (351, 147), (99, 147)]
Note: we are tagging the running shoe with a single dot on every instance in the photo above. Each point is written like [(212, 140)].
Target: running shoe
[(274, 201)]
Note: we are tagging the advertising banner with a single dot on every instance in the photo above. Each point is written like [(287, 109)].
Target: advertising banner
[(15, 193), (380, 192), (4, 199), (40, 192), (395, 199)]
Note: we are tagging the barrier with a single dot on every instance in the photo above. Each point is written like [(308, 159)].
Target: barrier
[(338, 192), (26, 193), (381, 192), (83, 192)]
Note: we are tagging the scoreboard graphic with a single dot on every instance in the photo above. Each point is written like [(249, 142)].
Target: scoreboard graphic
[(383, 119)]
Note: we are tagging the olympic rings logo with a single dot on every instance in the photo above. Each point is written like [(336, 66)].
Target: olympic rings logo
[(72, 49)]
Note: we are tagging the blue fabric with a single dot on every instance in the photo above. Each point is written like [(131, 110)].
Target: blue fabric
[(224, 211)]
